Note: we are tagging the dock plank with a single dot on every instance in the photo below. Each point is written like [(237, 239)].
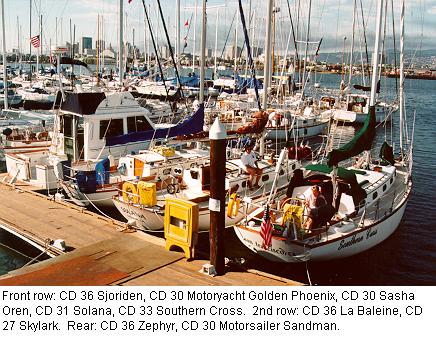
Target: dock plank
[(116, 257)]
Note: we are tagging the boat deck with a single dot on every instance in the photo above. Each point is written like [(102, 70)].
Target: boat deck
[(100, 252)]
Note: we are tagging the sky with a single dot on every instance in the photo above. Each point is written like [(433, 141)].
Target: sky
[(329, 19)]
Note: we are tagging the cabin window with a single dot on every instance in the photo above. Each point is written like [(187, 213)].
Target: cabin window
[(374, 196), (137, 123), (244, 184), (305, 131), (281, 172), (110, 128), (265, 178), (67, 125), (391, 180), (384, 187)]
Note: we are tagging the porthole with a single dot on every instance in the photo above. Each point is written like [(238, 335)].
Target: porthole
[(265, 178), (384, 188), (391, 180), (244, 184), (281, 172), (374, 196)]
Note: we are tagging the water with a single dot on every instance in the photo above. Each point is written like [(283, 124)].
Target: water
[(408, 257)]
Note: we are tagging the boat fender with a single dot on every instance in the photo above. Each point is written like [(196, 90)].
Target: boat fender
[(130, 193), (233, 205)]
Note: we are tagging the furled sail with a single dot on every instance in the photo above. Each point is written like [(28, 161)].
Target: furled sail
[(360, 142)]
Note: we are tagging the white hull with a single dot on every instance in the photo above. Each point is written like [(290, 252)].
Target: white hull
[(350, 243), (357, 117), (300, 132), (152, 219)]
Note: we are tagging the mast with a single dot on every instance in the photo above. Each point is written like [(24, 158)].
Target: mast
[(120, 44), (352, 44), (148, 44), (202, 54), (267, 68), (306, 48), (18, 40), (5, 73), (401, 76), (193, 44), (97, 47), (178, 36), (235, 65), (376, 56), (30, 37), (37, 51), (267, 62), (216, 42)]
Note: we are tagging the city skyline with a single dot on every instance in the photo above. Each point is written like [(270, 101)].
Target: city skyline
[(420, 22)]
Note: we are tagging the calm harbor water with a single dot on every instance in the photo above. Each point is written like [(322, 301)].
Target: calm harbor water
[(408, 257)]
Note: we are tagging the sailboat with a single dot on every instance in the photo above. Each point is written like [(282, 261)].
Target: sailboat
[(364, 203)]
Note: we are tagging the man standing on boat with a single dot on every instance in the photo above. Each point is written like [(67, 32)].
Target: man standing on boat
[(249, 163)]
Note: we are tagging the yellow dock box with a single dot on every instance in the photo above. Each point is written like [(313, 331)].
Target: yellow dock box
[(147, 193), (181, 225)]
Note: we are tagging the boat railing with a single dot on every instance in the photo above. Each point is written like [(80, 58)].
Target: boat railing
[(379, 209)]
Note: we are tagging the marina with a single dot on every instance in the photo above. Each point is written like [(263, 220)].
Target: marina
[(99, 252), (285, 177)]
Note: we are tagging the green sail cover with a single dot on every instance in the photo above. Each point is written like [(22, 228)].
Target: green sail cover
[(360, 142)]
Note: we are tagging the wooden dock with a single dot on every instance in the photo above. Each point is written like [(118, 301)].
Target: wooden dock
[(101, 251)]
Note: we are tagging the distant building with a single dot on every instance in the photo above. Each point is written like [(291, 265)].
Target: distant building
[(107, 53), (229, 53), (86, 43), (89, 52), (75, 48), (164, 52)]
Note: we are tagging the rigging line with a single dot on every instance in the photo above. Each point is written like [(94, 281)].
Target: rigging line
[(228, 34), (395, 47), (364, 32), (169, 46), (250, 59), (155, 47), (293, 32)]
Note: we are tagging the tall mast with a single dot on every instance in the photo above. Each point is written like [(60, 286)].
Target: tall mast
[(120, 44), (178, 36), (5, 73), (202, 50), (37, 49), (195, 29), (216, 42), (30, 37), (307, 47), (18, 40), (267, 62), (376, 55), (352, 44), (401, 76)]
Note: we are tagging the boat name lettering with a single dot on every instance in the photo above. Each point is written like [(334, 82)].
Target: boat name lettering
[(278, 251), (354, 240), (370, 233), (133, 213)]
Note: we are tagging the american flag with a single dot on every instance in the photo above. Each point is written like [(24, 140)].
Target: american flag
[(266, 229), (35, 41)]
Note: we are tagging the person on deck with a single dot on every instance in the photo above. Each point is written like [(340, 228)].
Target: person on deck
[(313, 202), (249, 163)]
